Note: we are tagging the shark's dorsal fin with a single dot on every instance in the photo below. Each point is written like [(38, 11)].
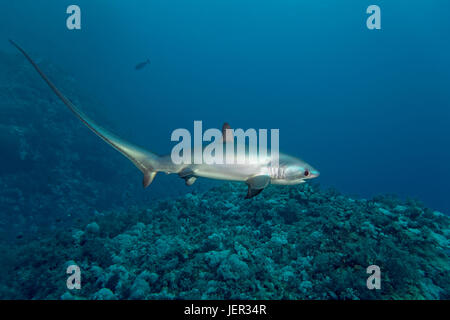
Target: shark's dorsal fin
[(226, 132)]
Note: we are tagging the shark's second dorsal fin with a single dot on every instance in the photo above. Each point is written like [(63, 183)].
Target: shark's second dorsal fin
[(227, 135)]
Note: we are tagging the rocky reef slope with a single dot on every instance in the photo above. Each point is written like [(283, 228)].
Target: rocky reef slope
[(288, 243)]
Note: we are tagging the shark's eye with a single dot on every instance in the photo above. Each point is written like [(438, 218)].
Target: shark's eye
[(306, 173)]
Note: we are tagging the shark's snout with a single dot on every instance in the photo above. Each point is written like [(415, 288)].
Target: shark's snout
[(313, 174)]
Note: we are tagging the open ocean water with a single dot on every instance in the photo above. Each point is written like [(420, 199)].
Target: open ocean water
[(370, 109)]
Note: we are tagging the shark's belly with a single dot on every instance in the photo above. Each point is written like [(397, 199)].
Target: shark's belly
[(234, 172)]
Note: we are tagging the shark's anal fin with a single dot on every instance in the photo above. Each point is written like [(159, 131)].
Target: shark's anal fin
[(190, 181), (256, 184)]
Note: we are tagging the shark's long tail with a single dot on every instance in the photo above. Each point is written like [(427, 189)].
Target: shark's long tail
[(144, 160)]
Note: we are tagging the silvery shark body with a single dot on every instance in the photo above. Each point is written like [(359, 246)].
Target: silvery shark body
[(257, 174)]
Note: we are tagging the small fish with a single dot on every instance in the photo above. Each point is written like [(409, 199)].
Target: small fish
[(141, 65)]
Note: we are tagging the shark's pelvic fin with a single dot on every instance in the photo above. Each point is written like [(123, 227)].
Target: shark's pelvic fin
[(256, 184), (144, 160), (188, 175), (190, 181)]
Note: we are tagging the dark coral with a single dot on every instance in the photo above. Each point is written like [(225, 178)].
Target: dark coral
[(288, 243)]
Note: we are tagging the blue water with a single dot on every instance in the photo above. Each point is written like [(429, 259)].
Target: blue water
[(369, 109)]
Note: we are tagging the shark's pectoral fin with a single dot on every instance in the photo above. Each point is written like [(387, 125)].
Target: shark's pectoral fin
[(188, 175), (148, 178), (256, 184), (252, 192)]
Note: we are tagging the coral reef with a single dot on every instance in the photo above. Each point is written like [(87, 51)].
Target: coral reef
[(288, 243)]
